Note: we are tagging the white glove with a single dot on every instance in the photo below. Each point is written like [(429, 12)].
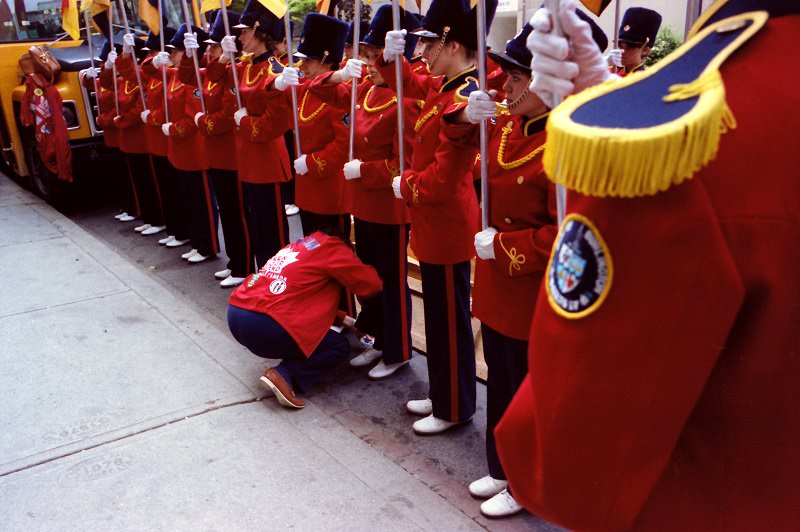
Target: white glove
[(197, 118), (228, 44), (352, 169), (91, 72), (352, 69), (290, 77), (614, 57), (111, 59), (190, 43), (165, 128), (484, 243), (238, 115), (396, 187), (161, 59), (128, 43), (564, 65), (144, 114), (481, 106), (300, 165), (394, 44)]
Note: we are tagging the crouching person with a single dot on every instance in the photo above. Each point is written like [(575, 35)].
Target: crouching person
[(288, 310)]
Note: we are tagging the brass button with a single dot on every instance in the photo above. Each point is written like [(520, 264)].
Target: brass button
[(507, 220), (358, 106), (520, 180), (419, 139), (366, 139)]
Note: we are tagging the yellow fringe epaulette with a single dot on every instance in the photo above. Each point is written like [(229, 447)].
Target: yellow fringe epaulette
[(622, 162)]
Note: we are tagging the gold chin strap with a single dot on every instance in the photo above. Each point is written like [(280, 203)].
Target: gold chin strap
[(321, 61), (518, 99), (445, 31)]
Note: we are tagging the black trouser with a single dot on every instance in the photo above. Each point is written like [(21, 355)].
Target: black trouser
[(266, 220), (387, 316), (201, 211), (287, 187), (146, 188), (123, 182), (169, 183), (507, 364), (233, 217), (449, 340)]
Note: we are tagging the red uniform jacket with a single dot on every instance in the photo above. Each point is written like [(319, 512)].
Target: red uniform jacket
[(438, 185), (522, 207), (260, 148), (132, 136), (674, 405), (217, 123), (370, 197), (300, 286), (107, 109), (154, 88)]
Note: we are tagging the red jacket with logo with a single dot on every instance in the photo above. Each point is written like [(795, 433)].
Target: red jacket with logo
[(106, 104), (133, 137), (217, 123)]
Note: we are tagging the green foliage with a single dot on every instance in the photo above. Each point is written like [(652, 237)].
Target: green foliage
[(238, 5), (299, 9), (347, 10), (666, 42)]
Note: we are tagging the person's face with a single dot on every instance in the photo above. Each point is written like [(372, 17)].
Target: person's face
[(633, 54), (370, 55), (213, 52), (310, 68), (250, 44), (281, 48), (348, 50), (521, 101), (175, 56), (436, 54)]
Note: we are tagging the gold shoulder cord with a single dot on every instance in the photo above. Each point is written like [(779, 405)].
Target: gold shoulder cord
[(303, 106), (375, 109), (502, 150)]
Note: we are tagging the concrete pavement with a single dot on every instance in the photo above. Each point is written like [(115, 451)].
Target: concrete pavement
[(125, 407)]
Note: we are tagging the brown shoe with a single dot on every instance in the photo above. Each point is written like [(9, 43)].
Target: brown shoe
[(283, 392)]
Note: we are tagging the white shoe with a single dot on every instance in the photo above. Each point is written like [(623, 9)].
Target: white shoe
[(189, 254), (175, 243), (166, 240), (420, 407), (126, 217), (120, 215), (383, 370), (501, 505), (222, 274), (434, 425), (142, 227), (366, 358), (231, 281), (487, 487), (291, 209), (154, 229), (197, 257)]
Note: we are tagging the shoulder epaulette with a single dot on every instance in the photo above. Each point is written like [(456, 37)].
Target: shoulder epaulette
[(275, 66), (648, 131), (462, 92)]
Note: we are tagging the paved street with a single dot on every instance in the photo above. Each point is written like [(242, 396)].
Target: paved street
[(126, 405)]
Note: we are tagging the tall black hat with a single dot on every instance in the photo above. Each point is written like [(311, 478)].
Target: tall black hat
[(362, 30), (455, 20), (382, 22), (218, 28), (640, 26), (153, 41), (257, 17), (323, 38), (177, 40)]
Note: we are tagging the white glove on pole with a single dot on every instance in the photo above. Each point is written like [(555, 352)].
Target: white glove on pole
[(396, 187), (481, 106), (161, 59), (128, 44), (484, 243), (90, 72), (228, 44), (111, 59), (197, 118), (352, 169), (394, 44), (352, 69), (165, 128), (300, 165), (238, 115), (144, 114), (614, 57), (290, 77), (190, 43)]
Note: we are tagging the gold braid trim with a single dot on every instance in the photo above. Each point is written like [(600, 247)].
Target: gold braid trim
[(320, 162), (421, 120), (517, 259), (251, 82), (303, 106), (377, 108), (502, 150)]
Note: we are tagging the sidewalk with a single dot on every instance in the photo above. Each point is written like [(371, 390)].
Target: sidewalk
[(124, 408)]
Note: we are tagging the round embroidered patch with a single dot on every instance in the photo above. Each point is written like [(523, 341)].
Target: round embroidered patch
[(580, 269), (278, 286)]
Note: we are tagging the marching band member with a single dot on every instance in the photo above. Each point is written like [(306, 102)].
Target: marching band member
[(444, 209), (637, 35)]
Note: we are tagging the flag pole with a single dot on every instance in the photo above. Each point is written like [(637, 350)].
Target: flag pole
[(398, 72), (111, 45), (224, 15), (163, 68), (290, 56), (354, 91), (480, 12), (187, 15), (561, 191), (91, 55), (133, 57), (616, 23)]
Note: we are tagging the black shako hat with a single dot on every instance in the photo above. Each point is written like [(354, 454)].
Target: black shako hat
[(257, 17), (382, 23), (177, 39), (455, 20), (323, 38), (362, 30), (640, 26), (153, 41), (218, 28)]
